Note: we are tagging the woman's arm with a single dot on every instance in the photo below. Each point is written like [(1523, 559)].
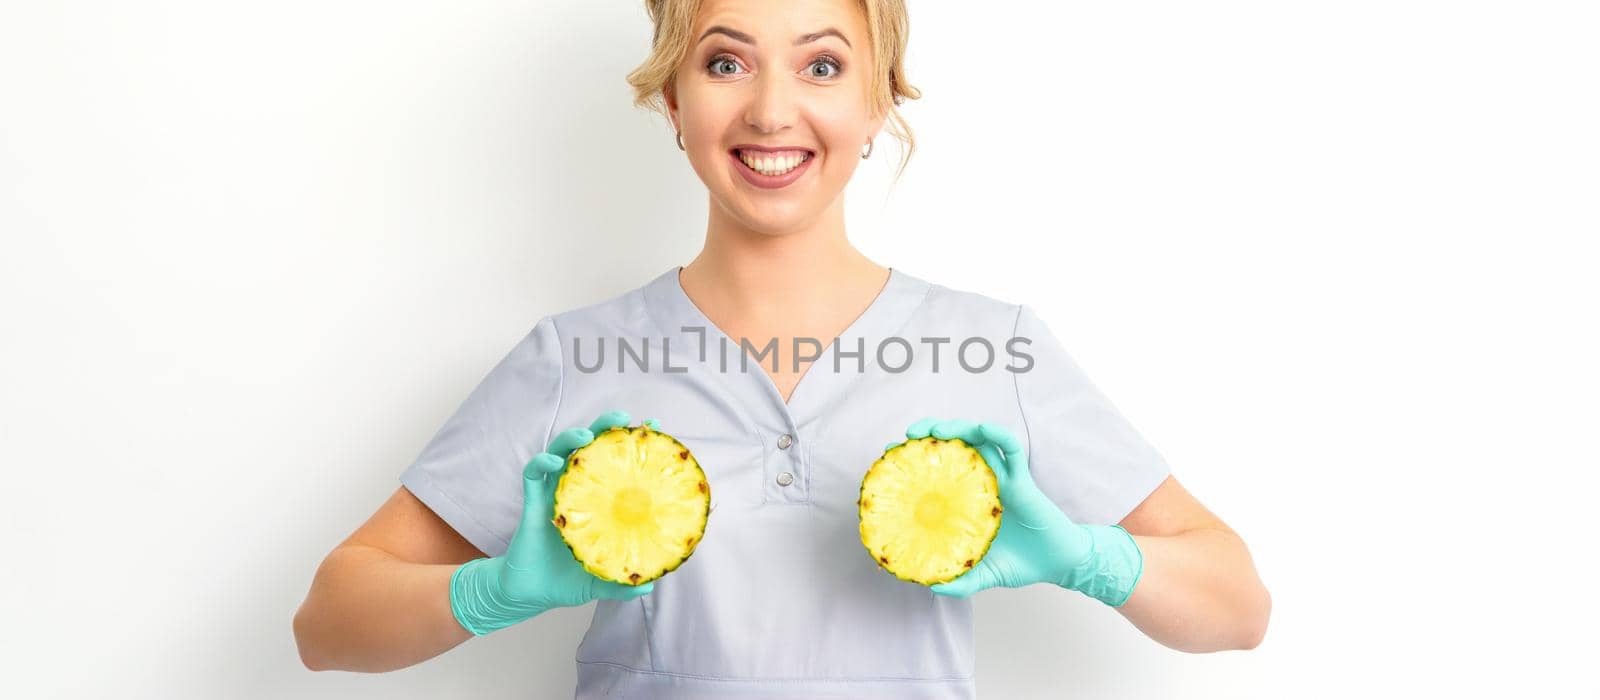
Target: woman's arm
[(381, 600), (1199, 591)]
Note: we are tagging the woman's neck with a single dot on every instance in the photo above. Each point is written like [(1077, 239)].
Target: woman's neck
[(807, 275)]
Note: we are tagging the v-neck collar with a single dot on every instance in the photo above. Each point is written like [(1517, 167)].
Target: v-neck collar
[(672, 309)]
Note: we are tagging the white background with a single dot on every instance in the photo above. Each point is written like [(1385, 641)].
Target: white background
[(1332, 259)]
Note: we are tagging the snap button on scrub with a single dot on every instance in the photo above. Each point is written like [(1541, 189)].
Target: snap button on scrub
[(784, 441), (785, 479)]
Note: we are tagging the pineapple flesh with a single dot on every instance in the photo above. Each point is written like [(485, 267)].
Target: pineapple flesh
[(632, 504), (929, 509)]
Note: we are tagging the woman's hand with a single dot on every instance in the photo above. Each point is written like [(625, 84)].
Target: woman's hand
[(537, 572), (1037, 543)]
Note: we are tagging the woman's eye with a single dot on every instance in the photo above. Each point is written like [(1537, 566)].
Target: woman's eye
[(722, 65), (824, 68)]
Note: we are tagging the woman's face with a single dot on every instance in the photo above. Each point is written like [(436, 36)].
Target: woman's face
[(772, 100)]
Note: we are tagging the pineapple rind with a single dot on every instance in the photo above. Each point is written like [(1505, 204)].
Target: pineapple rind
[(919, 466), (680, 495)]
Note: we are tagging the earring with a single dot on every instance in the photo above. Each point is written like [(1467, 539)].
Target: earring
[(680, 141), (868, 154)]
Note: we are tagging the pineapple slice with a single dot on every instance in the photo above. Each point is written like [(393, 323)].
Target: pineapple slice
[(929, 509), (632, 504)]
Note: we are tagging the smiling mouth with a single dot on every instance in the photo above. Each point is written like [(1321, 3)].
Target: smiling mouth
[(773, 163)]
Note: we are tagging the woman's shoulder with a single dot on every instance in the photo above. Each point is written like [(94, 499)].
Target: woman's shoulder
[(616, 312), (948, 299)]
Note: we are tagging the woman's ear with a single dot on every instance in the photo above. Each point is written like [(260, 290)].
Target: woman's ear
[(877, 126), (667, 93)]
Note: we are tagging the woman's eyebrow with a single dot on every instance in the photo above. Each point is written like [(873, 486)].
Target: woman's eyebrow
[(739, 36), (830, 31)]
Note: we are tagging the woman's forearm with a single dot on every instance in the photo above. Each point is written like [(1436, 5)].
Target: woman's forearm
[(370, 611), (1199, 592)]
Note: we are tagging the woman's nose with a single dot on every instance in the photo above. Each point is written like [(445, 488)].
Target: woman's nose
[(771, 107)]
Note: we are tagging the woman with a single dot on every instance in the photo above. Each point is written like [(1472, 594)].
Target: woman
[(774, 105)]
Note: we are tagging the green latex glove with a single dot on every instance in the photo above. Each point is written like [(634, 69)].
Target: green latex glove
[(1037, 543), (537, 572)]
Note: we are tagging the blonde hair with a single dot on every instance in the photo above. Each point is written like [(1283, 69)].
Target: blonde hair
[(888, 27)]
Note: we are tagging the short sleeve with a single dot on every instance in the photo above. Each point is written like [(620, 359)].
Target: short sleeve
[(470, 472), (1082, 452)]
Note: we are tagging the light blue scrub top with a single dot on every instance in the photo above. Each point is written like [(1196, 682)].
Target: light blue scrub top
[(780, 599)]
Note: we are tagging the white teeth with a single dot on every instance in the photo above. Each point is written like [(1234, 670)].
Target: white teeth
[(773, 165)]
